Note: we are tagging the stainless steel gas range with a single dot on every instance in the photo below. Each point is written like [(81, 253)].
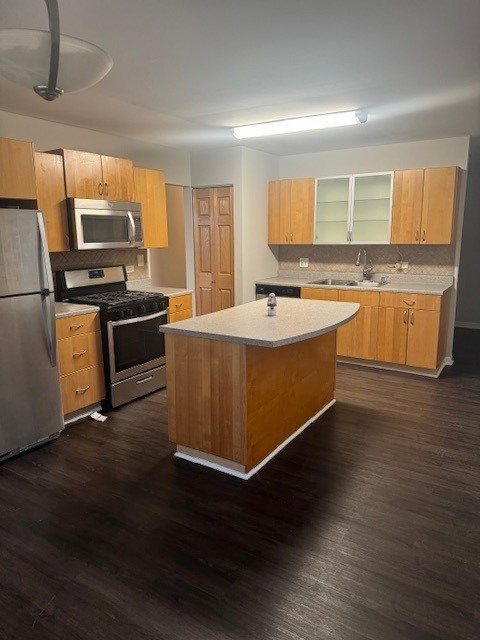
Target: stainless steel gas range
[(133, 346)]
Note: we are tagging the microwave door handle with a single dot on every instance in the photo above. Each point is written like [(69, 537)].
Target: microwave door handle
[(131, 235)]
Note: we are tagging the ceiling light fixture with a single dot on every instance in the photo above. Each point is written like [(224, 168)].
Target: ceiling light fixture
[(306, 123), (48, 62)]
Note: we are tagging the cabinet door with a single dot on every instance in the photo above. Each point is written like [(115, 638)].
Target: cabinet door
[(371, 208), (423, 338), (302, 193), (319, 294), (392, 335), (279, 212), (51, 199), (117, 179), (83, 174), (438, 211), (407, 206), (150, 192), (17, 171), (358, 338), (332, 210)]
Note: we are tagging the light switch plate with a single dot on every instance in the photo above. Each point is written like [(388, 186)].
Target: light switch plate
[(140, 260), (130, 268), (303, 262)]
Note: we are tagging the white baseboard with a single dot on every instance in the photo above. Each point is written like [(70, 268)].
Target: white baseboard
[(214, 462), (468, 325)]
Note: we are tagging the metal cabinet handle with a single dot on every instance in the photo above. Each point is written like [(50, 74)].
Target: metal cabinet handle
[(416, 235), (82, 390), (409, 303), (67, 241), (291, 237), (144, 380), (423, 235), (100, 188), (74, 327), (79, 354), (106, 189), (411, 317), (405, 317), (286, 237), (179, 304)]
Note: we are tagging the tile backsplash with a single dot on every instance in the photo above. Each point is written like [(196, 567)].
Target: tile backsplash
[(102, 258), (422, 260)]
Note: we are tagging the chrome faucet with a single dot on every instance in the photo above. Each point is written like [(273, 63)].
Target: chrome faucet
[(367, 272)]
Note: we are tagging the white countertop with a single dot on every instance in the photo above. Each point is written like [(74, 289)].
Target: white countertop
[(171, 292), (249, 323), (65, 309), (427, 285)]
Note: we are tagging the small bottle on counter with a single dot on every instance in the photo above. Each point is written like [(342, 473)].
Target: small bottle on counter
[(272, 305)]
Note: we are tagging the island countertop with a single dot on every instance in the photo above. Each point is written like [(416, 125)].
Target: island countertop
[(296, 320)]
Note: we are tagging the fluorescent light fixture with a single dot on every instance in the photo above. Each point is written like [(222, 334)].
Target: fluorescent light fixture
[(307, 123)]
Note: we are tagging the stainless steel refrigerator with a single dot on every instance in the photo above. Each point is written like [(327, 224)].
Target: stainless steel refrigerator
[(30, 401)]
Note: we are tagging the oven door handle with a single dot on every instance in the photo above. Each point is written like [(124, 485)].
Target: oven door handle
[(116, 323)]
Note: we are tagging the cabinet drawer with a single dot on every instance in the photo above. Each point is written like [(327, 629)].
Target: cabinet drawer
[(75, 325), (410, 301), (319, 294), (366, 298), (79, 352), (180, 303), (183, 314), (82, 388)]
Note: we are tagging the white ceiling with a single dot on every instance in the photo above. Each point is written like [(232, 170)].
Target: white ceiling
[(185, 71)]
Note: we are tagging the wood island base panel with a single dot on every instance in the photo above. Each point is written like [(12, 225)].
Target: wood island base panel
[(233, 406)]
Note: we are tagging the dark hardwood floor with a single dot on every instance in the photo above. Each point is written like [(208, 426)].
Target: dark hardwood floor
[(365, 527)]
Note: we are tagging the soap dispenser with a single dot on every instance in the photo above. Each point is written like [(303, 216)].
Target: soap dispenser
[(272, 304)]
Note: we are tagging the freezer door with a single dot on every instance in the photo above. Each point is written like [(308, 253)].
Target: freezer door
[(30, 401), (24, 261)]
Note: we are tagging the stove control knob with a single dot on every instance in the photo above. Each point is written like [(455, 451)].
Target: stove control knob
[(143, 308), (155, 306), (129, 313), (121, 314)]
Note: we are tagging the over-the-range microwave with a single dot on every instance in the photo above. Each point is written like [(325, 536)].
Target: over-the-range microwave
[(104, 224)]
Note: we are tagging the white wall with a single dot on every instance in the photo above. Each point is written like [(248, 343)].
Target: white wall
[(50, 135), (259, 261), (407, 155), (468, 304)]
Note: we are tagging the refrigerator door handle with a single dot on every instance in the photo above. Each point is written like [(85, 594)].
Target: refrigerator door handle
[(48, 292), (44, 250)]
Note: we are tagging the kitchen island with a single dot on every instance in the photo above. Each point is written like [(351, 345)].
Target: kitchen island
[(242, 384)]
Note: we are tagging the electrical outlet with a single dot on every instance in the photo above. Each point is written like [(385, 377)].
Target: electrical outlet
[(140, 260), (130, 268), (404, 266), (303, 262)]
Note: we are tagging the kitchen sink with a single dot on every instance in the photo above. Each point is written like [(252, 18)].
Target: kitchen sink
[(346, 283)]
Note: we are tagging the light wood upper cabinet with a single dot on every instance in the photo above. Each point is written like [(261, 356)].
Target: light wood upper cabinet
[(51, 199), (17, 170), (424, 202), (290, 211), (150, 192), (92, 176)]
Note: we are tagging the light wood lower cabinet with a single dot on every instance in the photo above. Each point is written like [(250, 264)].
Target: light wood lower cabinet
[(397, 328), (180, 308), (358, 338), (80, 361), (409, 333)]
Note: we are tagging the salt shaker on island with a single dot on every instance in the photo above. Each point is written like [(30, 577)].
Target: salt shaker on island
[(272, 305)]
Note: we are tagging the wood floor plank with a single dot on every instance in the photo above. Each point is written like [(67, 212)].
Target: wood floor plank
[(366, 527)]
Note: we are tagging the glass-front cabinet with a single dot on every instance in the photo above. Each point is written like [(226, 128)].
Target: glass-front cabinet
[(353, 209)]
